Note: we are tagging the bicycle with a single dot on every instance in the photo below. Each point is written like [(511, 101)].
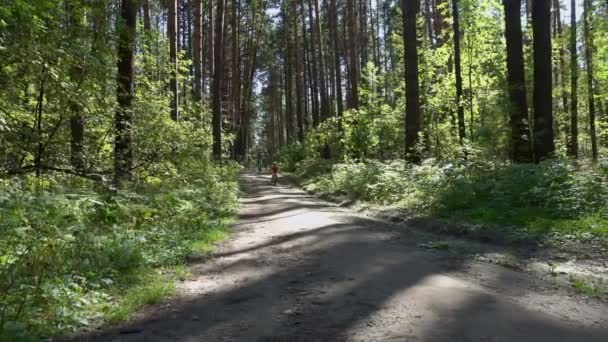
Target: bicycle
[(274, 179)]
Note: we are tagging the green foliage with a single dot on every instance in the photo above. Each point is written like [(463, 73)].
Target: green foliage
[(517, 202), (290, 155), (72, 255)]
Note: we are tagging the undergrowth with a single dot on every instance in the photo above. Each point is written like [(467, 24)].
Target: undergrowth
[(549, 202), (74, 254)]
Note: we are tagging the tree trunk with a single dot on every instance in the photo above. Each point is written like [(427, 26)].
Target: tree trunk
[(123, 150), (412, 108), (77, 73), (322, 70), (236, 71), (315, 75), (353, 43), (573, 142), (298, 65), (458, 73), (218, 61), (521, 147), (544, 146), (337, 67), (561, 65), (289, 98), (590, 80), (197, 47), (439, 22), (147, 24), (172, 30)]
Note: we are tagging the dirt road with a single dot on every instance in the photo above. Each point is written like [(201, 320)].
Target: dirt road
[(301, 269)]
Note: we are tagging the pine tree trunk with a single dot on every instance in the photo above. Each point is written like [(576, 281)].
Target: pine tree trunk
[(315, 76), (289, 112), (353, 70), (197, 52), (236, 71), (544, 146), (218, 72), (561, 65), (439, 22), (573, 142), (412, 92), (590, 77), (172, 30), (210, 44), (77, 121), (123, 150), (298, 65), (322, 81), (147, 24), (337, 67), (521, 145), (458, 73)]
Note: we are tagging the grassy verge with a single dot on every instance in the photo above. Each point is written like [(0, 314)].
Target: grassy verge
[(74, 255), (554, 202)]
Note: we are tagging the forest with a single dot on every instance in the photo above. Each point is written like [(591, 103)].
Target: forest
[(125, 124)]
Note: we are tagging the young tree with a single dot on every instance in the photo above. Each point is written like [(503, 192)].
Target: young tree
[(410, 9), (521, 145), (544, 146), (123, 150)]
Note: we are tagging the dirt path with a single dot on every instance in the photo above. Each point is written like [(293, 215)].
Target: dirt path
[(301, 269)]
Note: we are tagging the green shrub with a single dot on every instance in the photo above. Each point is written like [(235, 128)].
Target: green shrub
[(65, 250), (553, 198)]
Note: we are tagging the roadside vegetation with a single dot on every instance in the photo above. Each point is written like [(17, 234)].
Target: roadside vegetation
[(553, 200), (75, 254)]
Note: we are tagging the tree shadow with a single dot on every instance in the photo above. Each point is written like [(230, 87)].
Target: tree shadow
[(347, 279)]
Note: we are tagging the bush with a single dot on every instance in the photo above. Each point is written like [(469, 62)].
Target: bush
[(65, 250), (556, 197)]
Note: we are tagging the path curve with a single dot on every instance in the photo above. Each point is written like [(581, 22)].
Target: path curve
[(300, 269)]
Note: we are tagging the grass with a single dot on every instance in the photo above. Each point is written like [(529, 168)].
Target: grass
[(588, 288), (553, 202), (204, 243), (150, 287), (73, 255)]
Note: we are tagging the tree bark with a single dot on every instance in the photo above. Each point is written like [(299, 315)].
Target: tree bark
[(521, 146), (315, 75), (412, 87), (123, 150), (337, 67), (544, 146), (573, 142), (218, 68), (298, 65), (197, 47), (353, 43), (590, 77), (172, 30), (147, 24), (236, 70), (458, 73), (322, 81), (561, 65)]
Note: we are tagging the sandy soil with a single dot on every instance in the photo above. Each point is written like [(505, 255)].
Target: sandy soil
[(301, 269)]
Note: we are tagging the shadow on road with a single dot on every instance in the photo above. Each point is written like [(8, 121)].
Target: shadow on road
[(323, 274)]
